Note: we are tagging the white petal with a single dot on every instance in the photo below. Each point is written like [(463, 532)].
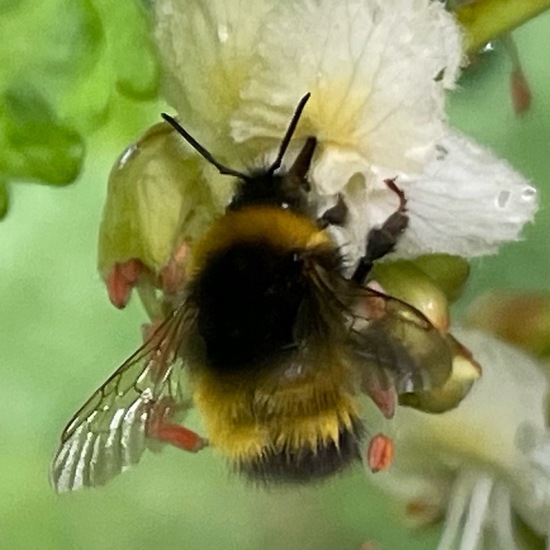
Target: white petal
[(477, 513), (466, 202), (207, 49), (533, 499), (372, 69)]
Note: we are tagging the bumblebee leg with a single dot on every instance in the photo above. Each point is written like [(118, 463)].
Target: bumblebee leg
[(382, 240), (176, 435), (335, 215), (161, 428), (380, 453), (172, 275)]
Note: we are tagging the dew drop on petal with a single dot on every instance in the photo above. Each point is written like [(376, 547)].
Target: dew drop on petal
[(489, 47), (127, 155), (502, 199), (529, 194), (223, 33)]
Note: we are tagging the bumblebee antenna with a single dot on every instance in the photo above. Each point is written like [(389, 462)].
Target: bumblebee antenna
[(225, 170), (288, 136)]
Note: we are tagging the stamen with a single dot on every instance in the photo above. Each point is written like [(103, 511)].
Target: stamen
[(477, 513), (460, 493), (502, 507)]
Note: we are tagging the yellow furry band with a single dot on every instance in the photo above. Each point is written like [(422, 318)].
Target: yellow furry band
[(245, 416), (280, 228)]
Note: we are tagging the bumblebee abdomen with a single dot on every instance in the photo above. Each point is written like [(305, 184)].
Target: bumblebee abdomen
[(297, 431), (305, 463)]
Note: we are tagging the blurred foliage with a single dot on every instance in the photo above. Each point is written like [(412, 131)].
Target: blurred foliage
[(62, 64)]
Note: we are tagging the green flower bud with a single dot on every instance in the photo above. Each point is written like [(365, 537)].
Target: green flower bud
[(157, 201), (449, 273), (465, 372), (404, 280), (34, 144)]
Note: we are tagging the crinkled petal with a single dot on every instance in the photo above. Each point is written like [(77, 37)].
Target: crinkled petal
[(376, 72), (207, 50), (466, 202)]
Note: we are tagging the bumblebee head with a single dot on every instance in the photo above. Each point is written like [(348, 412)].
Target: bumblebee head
[(265, 186)]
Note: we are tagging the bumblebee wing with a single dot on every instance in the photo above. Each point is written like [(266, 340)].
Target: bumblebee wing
[(392, 343), (395, 338), (108, 434)]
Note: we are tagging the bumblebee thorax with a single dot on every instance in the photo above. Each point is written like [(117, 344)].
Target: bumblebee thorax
[(248, 283)]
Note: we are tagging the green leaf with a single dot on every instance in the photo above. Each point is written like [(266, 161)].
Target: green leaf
[(132, 50), (34, 145), (4, 199), (64, 66)]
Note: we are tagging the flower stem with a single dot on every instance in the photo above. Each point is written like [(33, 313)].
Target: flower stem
[(486, 19)]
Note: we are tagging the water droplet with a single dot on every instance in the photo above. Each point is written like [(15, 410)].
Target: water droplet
[(503, 198), (127, 155), (223, 33), (529, 194)]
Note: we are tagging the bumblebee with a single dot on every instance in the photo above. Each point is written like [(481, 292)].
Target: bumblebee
[(278, 344)]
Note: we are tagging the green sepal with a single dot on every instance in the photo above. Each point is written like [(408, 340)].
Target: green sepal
[(157, 199)]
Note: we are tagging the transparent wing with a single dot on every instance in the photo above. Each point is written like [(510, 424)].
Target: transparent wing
[(108, 434), (398, 340), (393, 344)]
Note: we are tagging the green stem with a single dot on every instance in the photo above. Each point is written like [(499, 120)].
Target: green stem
[(151, 303), (487, 19)]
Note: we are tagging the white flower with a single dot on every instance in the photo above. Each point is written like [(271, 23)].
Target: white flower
[(377, 71), (483, 462)]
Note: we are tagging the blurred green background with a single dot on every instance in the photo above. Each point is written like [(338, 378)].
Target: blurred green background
[(87, 73)]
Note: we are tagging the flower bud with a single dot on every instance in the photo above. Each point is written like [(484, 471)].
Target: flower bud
[(157, 201), (450, 273), (465, 371), (404, 280)]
